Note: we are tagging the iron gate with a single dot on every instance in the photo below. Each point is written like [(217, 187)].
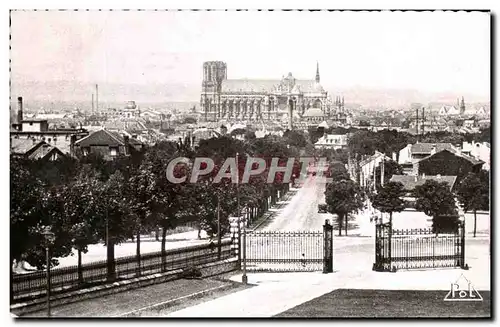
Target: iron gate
[(418, 248), (290, 251)]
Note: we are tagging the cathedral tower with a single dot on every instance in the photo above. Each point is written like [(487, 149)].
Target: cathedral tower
[(317, 72)]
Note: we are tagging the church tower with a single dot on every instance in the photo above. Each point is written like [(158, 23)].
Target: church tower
[(462, 106), (214, 72), (317, 72)]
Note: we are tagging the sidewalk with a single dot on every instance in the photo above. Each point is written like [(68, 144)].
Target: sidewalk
[(278, 292)]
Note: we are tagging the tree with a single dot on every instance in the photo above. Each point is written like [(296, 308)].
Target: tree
[(116, 224), (81, 207), (388, 199), (390, 168), (436, 200), (342, 198), (295, 138), (143, 200), (473, 195)]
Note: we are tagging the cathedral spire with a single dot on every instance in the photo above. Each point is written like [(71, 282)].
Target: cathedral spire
[(317, 72)]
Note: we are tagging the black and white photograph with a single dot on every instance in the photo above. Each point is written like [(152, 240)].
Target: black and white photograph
[(273, 164)]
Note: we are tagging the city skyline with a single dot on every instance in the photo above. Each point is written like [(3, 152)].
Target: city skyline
[(431, 52)]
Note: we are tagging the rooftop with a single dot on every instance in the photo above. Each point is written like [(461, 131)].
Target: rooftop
[(423, 148), (410, 182)]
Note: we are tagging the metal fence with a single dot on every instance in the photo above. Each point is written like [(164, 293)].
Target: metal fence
[(34, 284), (418, 248), (285, 251)]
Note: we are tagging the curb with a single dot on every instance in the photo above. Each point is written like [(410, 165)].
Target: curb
[(170, 303), (208, 270)]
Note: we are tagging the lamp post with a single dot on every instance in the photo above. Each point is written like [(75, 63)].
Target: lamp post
[(49, 239), (244, 278)]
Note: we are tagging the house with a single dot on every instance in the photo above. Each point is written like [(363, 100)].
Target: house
[(37, 130), (448, 111), (478, 150), (484, 123), (447, 162), (331, 141), (34, 150), (410, 182), (468, 123), (108, 144), (367, 167), (417, 151)]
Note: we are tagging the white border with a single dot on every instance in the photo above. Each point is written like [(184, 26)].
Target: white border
[(179, 4)]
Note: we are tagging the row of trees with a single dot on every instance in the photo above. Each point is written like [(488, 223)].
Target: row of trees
[(88, 200)]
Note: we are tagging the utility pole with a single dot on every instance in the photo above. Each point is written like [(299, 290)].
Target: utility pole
[(418, 135), (423, 121), (97, 98), (382, 172), (218, 229)]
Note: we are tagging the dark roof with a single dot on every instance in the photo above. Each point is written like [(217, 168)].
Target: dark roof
[(43, 151), (21, 146), (105, 137), (471, 159), (34, 120), (410, 182), (427, 147)]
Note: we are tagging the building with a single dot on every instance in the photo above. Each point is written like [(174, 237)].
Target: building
[(267, 100), (37, 130), (332, 141), (367, 168), (457, 110), (448, 162), (108, 144), (34, 150), (410, 182), (414, 152), (478, 150)]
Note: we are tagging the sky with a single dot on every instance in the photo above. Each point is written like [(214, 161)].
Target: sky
[(424, 51)]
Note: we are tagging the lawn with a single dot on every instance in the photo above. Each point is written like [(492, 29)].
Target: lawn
[(350, 303)]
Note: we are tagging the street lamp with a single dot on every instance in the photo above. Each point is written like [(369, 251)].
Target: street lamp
[(49, 239), (244, 278)]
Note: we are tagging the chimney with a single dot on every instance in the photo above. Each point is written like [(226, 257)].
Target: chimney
[(438, 176), (127, 144), (394, 156), (19, 110), (72, 145), (290, 116)]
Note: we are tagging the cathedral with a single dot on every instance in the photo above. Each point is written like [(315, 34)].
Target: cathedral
[(224, 99)]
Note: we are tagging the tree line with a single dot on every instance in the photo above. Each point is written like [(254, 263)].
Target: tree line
[(88, 200)]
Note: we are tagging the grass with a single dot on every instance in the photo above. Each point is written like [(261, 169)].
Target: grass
[(131, 300), (349, 303)]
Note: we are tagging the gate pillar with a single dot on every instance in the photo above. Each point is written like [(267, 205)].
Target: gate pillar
[(328, 247)]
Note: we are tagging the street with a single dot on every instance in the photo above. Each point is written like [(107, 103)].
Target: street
[(301, 213)]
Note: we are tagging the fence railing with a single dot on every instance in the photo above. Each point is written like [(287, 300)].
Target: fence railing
[(285, 251), (418, 248), (34, 284)]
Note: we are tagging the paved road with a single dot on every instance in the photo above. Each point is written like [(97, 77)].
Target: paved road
[(301, 213)]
